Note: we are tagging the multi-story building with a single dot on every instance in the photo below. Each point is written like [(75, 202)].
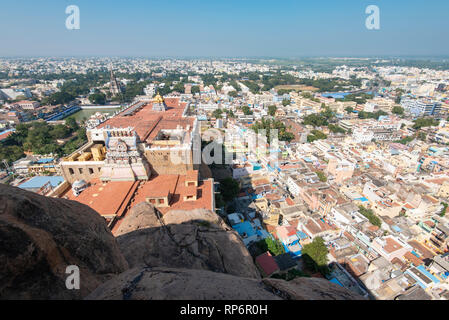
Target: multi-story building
[(143, 140), (28, 105), (421, 108)]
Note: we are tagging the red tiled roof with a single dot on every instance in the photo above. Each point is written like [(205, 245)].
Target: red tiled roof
[(267, 263), (107, 198), (147, 123), (391, 245), (413, 259), (421, 249), (192, 175), (5, 135), (175, 184), (290, 201), (349, 236), (294, 223)]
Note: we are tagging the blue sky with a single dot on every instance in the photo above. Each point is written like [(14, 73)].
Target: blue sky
[(255, 28)]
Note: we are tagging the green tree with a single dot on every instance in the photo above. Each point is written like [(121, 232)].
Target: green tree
[(336, 129), (349, 109), (320, 135), (316, 135), (71, 123), (422, 136), (61, 97), (398, 110), (285, 102), (406, 140), (230, 113), (246, 110), (321, 175), (179, 87), (316, 120), (233, 94), (60, 131), (40, 138), (253, 87), (307, 95), (371, 216), (311, 138), (424, 122), (268, 125), (371, 115), (98, 98), (272, 110), (235, 85), (217, 113), (274, 246), (229, 189), (219, 202), (444, 209), (290, 275), (315, 255), (281, 92), (195, 89)]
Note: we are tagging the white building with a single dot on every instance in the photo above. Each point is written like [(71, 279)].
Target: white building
[(13, 94)]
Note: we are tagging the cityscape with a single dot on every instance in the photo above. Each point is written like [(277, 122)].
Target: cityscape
[(273, 170)]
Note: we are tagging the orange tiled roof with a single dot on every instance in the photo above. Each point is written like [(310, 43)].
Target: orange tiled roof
[(175, 184), (147, 123), (391, 245), (5, 135), (107, 198), (413, 259)]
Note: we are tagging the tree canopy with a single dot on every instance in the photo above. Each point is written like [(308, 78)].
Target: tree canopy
[(424, 122), (98, 98), (268, 125), (371, 216), (275, 247), (229, 189), (217, 113), (316, 135), (397, 110), (315, 255), (321, 176), (246, 111), (40, 138)]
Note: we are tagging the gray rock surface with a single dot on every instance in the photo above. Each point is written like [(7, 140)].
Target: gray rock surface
[(180, 284), (40, 237), (188, 284), (197, 239), (310, 289)]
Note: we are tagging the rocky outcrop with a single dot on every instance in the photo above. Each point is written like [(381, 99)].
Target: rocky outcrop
[(197, 239), (40, 237), (183, 284), (310, 289), (182, 255), (180, 284)]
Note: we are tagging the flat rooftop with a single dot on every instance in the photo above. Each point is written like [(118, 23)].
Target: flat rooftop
[(148, 123), (107, 198), (40, 181), (175, 185)]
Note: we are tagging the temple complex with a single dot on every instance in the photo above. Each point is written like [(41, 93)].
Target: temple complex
[(144, 153)]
